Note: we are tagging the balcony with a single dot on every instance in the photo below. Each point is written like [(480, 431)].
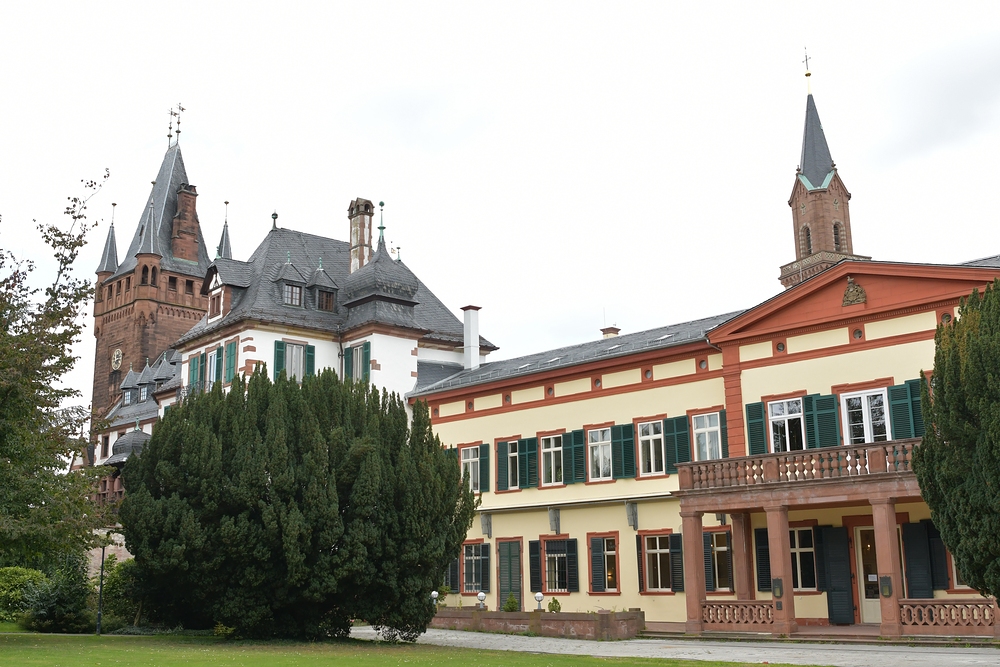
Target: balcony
[(194, 388)]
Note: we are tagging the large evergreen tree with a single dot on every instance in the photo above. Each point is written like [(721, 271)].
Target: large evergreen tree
[(288, 510), (958, 462)]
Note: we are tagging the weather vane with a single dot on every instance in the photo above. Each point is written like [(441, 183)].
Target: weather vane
[(806, 61), (174, 113)]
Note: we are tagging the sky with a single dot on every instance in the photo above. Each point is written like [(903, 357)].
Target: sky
[(563, 165)]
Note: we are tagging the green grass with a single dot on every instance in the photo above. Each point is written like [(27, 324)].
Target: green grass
[(27, 650), (10, 627)]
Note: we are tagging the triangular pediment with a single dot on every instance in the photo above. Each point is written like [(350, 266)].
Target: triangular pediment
[(874, 289)]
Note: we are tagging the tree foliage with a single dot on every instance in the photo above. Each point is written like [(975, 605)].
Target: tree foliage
[(287, 510), (958, 462), (59, 603), (44, 513)]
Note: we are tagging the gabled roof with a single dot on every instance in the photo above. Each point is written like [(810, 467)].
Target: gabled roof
[(320, 278), (288, 273), (109, 258), (816, 164), (153, 232)]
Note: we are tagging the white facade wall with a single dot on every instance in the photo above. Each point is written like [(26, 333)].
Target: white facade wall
[(445, 356)]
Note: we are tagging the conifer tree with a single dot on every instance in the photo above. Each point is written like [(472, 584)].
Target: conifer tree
[(958, 462)]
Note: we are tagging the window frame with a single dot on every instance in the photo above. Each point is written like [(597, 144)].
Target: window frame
[(556, 557), (696, 431), (641, 440), (189, 287), (325, 297), (291, 295), (513, 467), (599, 445), (796, 551), (215, 305), (289, 346), (554, 461), (866, 421), (725, 552), (786, 418), (477, 559), (473, 463), (647, 570)]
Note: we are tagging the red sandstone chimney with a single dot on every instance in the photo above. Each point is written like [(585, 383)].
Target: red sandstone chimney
[(184, 237)]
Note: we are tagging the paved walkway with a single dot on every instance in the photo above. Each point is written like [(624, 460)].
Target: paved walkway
[(840, 655)]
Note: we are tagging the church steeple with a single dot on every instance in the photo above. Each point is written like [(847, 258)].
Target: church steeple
[(821, 219)]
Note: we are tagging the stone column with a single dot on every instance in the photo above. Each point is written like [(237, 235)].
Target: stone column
[(887, 555), (694, 569), (781, 570), (740, 550)]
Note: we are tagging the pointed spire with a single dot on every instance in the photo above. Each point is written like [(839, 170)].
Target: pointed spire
[(225, 249), (109, 258), (816, 162), (381, 227)]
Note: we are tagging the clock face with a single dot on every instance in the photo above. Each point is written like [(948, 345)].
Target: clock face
[(116, 359)]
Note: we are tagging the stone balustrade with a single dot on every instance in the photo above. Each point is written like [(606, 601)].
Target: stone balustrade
[(949, 616), (728, 614)]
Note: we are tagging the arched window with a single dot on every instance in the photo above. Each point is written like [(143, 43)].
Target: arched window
[(153, 278), (145, 275), (807, 242), (836, 237)]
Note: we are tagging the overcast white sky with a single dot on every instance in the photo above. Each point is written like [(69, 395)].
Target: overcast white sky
[(561, 165)]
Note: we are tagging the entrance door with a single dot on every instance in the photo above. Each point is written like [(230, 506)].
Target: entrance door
[(864, 542), (510, 572)]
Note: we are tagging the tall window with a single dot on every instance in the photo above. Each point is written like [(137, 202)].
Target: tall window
[(512, 468), (865, 417), (807, 241), (295, 362), (470, 467), (128, 283), (215, 306), (325, 300), (556, 566), (658, 562), (145, 275), (610, 565), (721, 561), (600, 453), (152, 278), (707, 440), (472, 580), (803, 559), (787, 427), (212, 361), (143, 392), (172, 283), (552, 460), (105, 446), (651, 448), (189, 287), (836, 237), (292, 295)]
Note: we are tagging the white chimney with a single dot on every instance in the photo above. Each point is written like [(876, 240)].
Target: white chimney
[(471, 360)]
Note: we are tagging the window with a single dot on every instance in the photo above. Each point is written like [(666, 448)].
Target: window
[(600, 453), (787, 428), (172, 283), (803, 559), (836, 237), (658, 562), (865, 417), (118, 288), (717, 546), (358, 360), (145, 275), (189, 287), (213, 363), (292, 295), (476, 567), (105, 446), (807, 240), (143, 392), (294, 361), (325, 300), (470, 467), (610, 564), (556, 567), (215, 306), (152, 279), (552, 460), (111, 293), (707, 439), (651, 448), (127, 397), (128, 283), (512, 468)]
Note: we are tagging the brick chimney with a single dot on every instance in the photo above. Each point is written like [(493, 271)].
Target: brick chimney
[(184, 235), (360, 214)]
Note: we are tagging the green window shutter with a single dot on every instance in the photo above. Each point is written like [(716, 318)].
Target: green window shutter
[(622, 451), (535, 565), (528, 462), (454, 583), (484, 557), (193, 370), (757, 434), (901, 412), (676, 563), (709, 563), (763, 559), (820, 557), (638, 560), (939, 557), (348, 363), (219, 359), (503, 484), (574, 457), (822, 420), (833, 572), (676, 442), (451, 453), (597, 574), (230, 361), (917, 554), (202, 363), (572, 567), (366, 361), (484, 468), (279, 358), (915, 408), (724, 435), (310, 360)]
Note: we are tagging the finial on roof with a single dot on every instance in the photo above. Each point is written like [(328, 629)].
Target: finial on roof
[(180, 108), (320, 263), (130, 365), (381, 224), (288, 256), (136, 424), (226, 219), (113, 205), (274, 220), (808, 73)]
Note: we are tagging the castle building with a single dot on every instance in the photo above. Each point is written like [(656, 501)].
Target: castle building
[(746, 472)]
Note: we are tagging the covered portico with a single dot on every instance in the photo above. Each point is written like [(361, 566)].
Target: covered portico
[(877, 475)]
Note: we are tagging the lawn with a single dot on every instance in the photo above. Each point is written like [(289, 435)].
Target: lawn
[(25, 650)]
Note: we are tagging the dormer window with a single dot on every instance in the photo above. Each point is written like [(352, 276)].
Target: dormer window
[(143, 393), (292, 295), (324, 300), (127, 397), (215, 305)]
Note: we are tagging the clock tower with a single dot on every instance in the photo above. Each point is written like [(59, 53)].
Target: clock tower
[(149, 300)]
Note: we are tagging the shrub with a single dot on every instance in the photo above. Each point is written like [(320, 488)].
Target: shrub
[(59, 603), (511, 604), (13, 581), (223, 631), (121, 597), (554, 605)]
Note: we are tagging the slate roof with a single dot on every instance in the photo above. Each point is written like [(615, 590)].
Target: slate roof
[(289, 254), (130, 443), (152, 234), (564, 357), (432, 372), (988, 262), (225, 248), (131, 380), (816, 162), (109, 258)]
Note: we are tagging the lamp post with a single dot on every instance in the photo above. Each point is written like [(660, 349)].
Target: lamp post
[(434, 599), (100, 585), (482, 598), (538, 598)]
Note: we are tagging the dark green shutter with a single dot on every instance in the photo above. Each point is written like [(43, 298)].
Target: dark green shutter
[(598, 577), (503, 452), (574, 457), (572, 567), (676, 442), (348, 363), (484, 468), (310, 360), (193, 370), (915, 410), (484, 570), (366, 361), (835, 574), (622, 451), (527, 461), (763, 558), (535, 565), (202, 363), (219, 359), (757, 434), (917, 553), (454, 583), (709, 563), (939, 557), (279, 358), (638, 559), (822, 421), (676, 563), (820, 557), (230, 361), (901, 411), (724, 435)]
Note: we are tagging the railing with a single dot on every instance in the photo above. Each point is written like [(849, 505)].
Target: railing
[(895, 456), (947, 613), (742, 612), (194, 388)]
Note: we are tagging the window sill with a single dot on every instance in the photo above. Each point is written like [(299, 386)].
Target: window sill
[(807, 592), (653, 475), (556, 593), (502, 491), (657, 593), (604, 592), (602, 481), (558, 485)]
